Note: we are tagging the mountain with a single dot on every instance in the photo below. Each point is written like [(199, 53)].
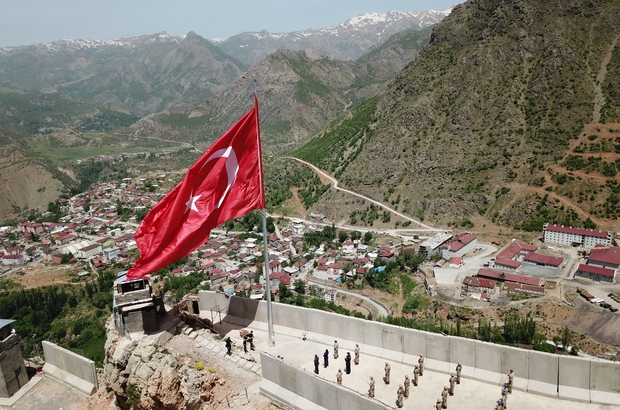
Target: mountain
[(137, 75), (498, 120), (300, 93), (28, 182), (346, 41)]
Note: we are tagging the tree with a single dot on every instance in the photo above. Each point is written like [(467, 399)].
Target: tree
[(300, 287), (257, 275), (566, 337), (367, 237), (283, 291), (342, 236)]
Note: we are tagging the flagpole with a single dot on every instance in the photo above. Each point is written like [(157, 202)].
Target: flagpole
[(272, 339)]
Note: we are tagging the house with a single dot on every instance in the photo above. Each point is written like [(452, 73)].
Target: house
[(111, 253), (274, 266), (218, 277), (456, 262), (567, 235), (329, 295), (475, 284), (459, 246), (12, 260), (348, 248), (335, 269)]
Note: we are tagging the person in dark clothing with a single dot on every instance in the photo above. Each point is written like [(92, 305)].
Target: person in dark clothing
[(316, 364), (228, 346), (245, 345), (251, 339), (347, 362), (326, 358)]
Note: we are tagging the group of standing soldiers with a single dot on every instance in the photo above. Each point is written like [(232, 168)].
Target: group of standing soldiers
[(347, 361), (403, 389), (455, 378), (247, 339), (502, 403)]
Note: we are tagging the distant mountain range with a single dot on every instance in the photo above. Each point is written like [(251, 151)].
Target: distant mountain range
[(346, 41), (97, 93)]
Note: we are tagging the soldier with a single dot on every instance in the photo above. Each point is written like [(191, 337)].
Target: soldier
[(245, 344), (228, 346), (347, 363), (421, 363), (438, 404), (335, 349), (416, 373), (399, 396), (326, 358), (371, 387), (357, 354), (458, 373), (444, 397), (386, 378), (316, 364), (505, 387), (511, 376), (505, 399), (407, 383), (500, 404), (339, 377), (452, 381)]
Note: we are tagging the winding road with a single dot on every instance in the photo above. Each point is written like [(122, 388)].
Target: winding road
[(334, 183)]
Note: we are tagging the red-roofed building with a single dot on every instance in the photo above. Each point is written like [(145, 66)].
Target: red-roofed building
[(516, 250), (567, 235), (458, 246), (456, 262), (543, 260), (509, 277), (605, 257), (595, 273), (475, 284), (509, 264), (521, 287)]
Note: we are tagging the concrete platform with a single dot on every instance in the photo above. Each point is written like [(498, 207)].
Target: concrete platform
[(469, 395)]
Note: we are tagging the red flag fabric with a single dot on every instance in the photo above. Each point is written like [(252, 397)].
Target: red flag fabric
[(225, 183)]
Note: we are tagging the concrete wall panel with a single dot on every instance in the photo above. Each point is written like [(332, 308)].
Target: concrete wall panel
[(335, 325), (353, 329), (83, 369), (437, 352), (488, 362), (208, 300), (287, 376), (414, 342), (373, 338), (542, 373), (316, 322), (348, 399), (328, 396), (574, 378), (463, 351), (307, 386), (604, 377), (393, 344), (517, 360)]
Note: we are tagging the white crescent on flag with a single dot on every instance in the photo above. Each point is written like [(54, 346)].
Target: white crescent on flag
[(232, 168)]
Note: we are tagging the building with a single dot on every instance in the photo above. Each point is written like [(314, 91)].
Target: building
[(89, 251), (459, 246), (567, 235), (432, 246), (595, 273), (111, 253), (543, 260), (605, 257), (603, 264), (12, 368), (298, 226)]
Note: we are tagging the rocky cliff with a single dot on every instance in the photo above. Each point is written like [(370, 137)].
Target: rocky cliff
[(178, 367)]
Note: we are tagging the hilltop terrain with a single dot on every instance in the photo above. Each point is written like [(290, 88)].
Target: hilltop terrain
[(484, 121)]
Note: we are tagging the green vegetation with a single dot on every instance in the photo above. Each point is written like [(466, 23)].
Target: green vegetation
[(282, 175), (72, 316), (546, 212), (336, 148)]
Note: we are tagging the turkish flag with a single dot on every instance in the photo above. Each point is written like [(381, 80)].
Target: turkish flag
[(225, 183)]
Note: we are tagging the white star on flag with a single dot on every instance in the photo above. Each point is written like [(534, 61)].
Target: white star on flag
[(191, 204)]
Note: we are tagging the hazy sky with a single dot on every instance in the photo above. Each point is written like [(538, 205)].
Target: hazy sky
[(25, 22)]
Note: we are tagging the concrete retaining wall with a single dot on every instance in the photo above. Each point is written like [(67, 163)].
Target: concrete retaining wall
[(70, 368), (298, 389), (536, 372)]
